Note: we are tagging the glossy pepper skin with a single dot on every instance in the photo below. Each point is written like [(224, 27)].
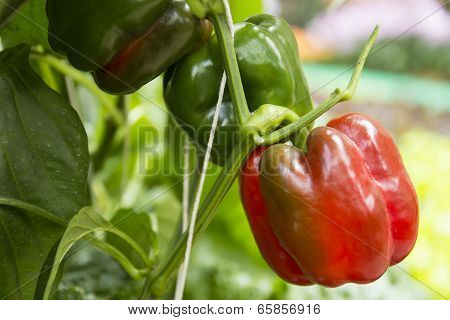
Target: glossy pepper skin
[(345, 210), (271, 73), (258, 217), (126, 43)]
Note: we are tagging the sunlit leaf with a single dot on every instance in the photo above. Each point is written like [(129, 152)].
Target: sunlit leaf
[(84, 225)]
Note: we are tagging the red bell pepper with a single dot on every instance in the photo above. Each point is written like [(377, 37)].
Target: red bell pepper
[(343, 211), (258, 216)]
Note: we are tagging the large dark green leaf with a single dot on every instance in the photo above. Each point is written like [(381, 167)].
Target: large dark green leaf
[(43, 172)]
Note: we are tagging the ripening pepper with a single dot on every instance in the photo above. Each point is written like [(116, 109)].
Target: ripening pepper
[(342, 211), (258, 216), (271, 72), (125, 43)]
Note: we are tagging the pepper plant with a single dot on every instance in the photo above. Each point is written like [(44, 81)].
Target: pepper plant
[(46, 183)]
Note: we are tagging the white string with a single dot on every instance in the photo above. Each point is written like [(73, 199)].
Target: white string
[(185, 203), (184, 267), (186, 184), (229, 17)]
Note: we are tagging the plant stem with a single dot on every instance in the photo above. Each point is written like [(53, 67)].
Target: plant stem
[(110, 131), (336, 97), (206, 213), (234, 80), (201, 8), (360, 65), (80, 77), (268, 117), (197, 8), (299, 139), (49, 76), (304, 121), (119, 256), (133, 244), (126, 149)]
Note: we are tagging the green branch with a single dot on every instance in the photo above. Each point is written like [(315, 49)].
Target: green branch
[(234, 79), (336, 97), (81, 78), (201, 8)]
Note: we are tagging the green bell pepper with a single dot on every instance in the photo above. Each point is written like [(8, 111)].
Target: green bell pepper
[(271, 72), (125, 43)]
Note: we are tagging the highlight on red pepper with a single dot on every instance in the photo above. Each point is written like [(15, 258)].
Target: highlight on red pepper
[(341, 211)]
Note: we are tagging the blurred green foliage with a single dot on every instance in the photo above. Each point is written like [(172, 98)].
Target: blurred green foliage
[(427, 158), (243, 9), (407, 55), (92, 274), (301, 12), (226, 263), (7, 9), (381, 86), (29, 25)]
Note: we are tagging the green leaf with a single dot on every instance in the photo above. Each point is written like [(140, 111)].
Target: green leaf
[(84, 225), (241, 10), (139, 227), (43, 172), (28, 25), (8, 8)]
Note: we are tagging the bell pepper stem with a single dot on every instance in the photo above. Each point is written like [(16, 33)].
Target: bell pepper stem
[(300, 138), (266, 119), (201, 8), (304, 121), (348, 94), (234, 79), (197, 8), (206, 213), (336, 97)]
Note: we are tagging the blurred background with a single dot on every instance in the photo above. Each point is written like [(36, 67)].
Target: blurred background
[(406, 85)]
